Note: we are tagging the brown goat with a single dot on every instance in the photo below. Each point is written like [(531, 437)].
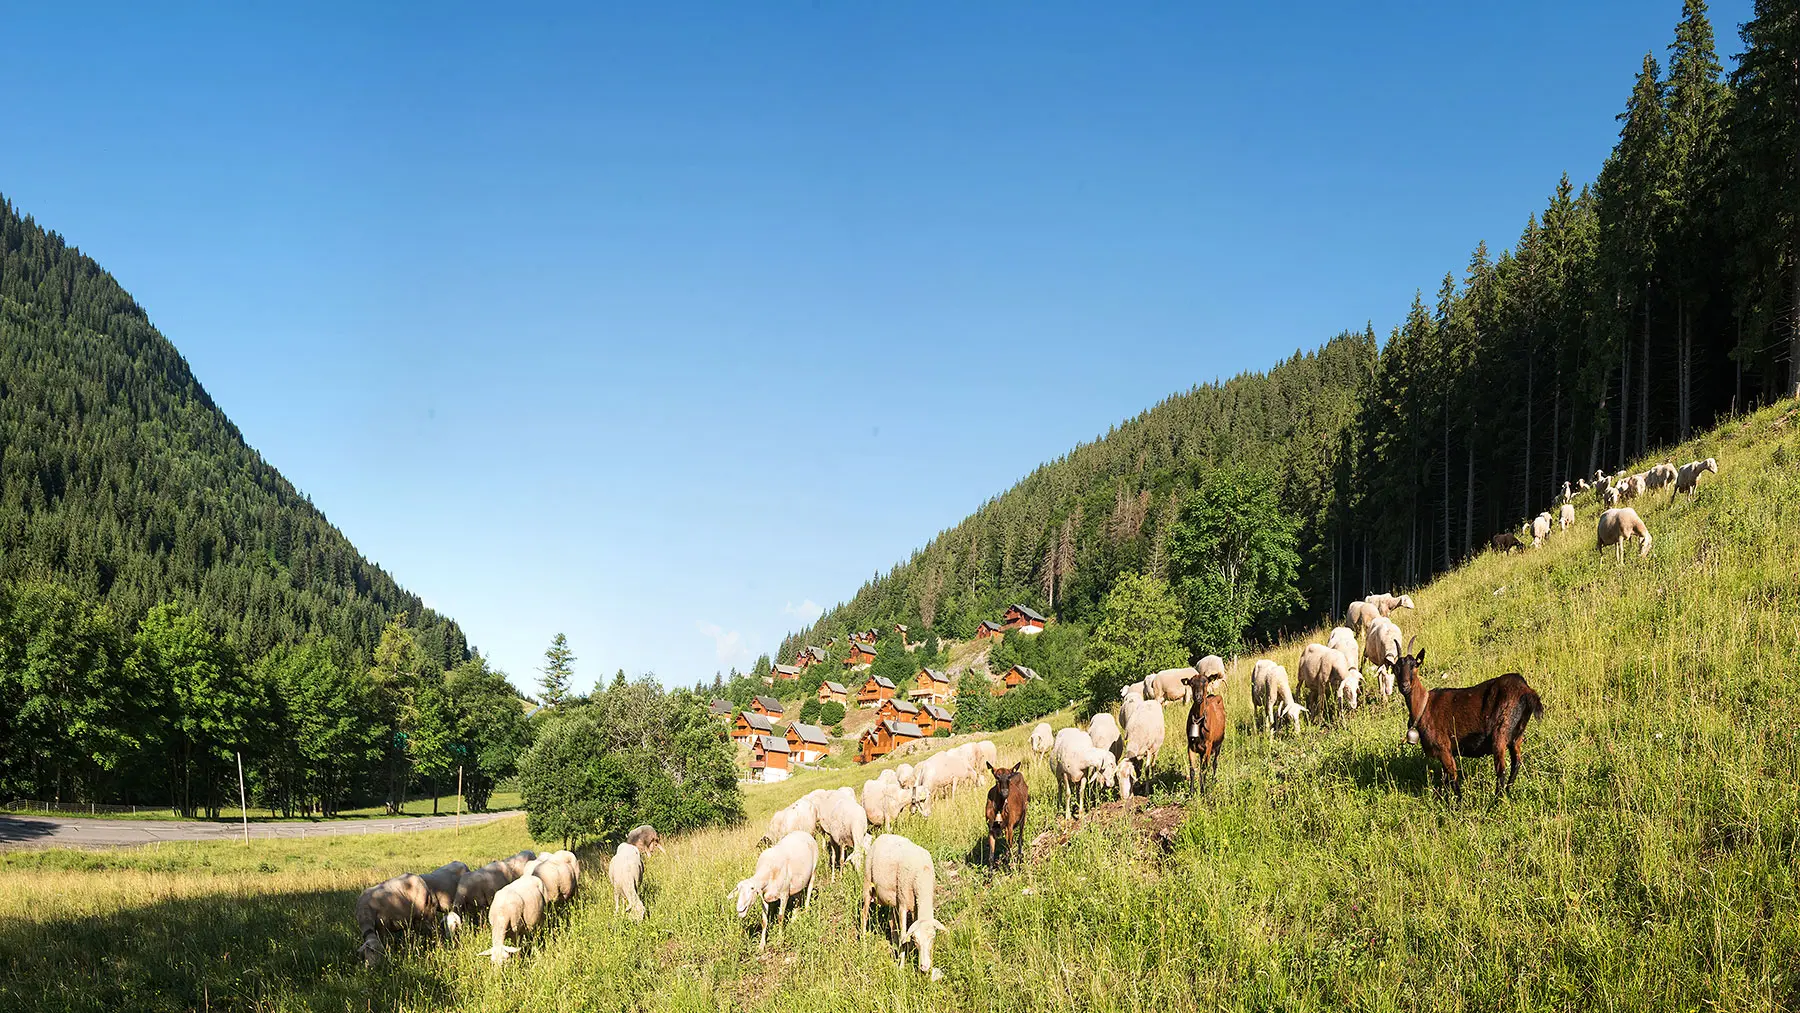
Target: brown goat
[(1486, 719), (1506, 541), (1205, 728), (1006, 802)]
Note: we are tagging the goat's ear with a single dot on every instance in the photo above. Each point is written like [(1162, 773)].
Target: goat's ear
[(989, 764), (1421, 658)]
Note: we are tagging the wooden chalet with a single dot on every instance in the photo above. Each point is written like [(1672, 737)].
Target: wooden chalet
[(896, 709), (833, 692), (720, 709), (901, 629), (748, 724), (931, 684), (787, 673), (859, 655), (989, 630), (769, 758), (808, 657), (883, 737), (1013, 679), (868, 636), (807, 743), (875, 690), (933, 719), (1023, 619), (767, 706)]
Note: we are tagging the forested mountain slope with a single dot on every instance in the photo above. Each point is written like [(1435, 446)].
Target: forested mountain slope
[(121, 478), (1628, 315)]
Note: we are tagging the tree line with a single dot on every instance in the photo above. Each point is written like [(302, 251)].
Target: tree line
[(1629, 313)]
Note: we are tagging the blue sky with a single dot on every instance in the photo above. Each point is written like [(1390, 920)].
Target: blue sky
[(663, 325)]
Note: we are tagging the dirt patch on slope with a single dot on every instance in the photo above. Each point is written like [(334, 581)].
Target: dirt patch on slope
[(1157, 825)]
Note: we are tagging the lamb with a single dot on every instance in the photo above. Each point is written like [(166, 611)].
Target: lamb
[(1381, 647), (1076, 764), (881, 801), (1273, 697), (1103, 730), (784, 870), (475, 892), (557, 875), (389, 907), (1168, 684), (1566, 516), (626, 871), (1659, 476), (1387, 603), (1688, 478), (1360, 613), (1326, 678), (846, 826), (1540, 529), (1041, 741), (800, 815), (1144, 734), (1619, 526), (900, 876), (517, 909)]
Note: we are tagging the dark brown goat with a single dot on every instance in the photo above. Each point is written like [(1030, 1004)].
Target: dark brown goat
[(1506, 541), (1205, 728), (1006, 802), (1486, 719)]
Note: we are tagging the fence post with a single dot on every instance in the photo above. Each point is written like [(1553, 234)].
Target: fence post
[(243, 805)]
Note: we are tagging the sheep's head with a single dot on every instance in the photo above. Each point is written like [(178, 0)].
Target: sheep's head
[(747, 891), (1291, 711), (371, 949), (1127, 774), (921, 934), (1349, 688), (1710, 464), (1406, 601)]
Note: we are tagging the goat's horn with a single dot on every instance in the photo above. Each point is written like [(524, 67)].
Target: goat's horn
[(1411, 643)]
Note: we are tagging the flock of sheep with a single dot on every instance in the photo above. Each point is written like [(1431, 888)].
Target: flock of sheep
[(512, 893), (1618, 523)]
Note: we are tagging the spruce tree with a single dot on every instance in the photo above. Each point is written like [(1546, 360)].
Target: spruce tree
[(558, 670)]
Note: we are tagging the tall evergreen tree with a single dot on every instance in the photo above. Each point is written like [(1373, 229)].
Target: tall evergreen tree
[(558, 671), (1765, 139)]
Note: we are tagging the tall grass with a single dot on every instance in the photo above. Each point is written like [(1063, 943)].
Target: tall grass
[(1646, 859)]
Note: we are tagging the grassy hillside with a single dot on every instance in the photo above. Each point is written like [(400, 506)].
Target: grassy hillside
[(1647, 858)]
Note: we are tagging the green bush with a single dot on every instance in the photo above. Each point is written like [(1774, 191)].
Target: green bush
[(832, 713)]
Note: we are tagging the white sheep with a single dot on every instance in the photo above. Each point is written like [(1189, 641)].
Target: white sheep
[(1687, 479), (1566, 515), (1610, 495), (1144, 734), (901, 877), (845, 824), (392, 906), (517, 909), (442, 881), (1620, 526), (1360, 614), (1042, 738), (1132, 691), (982, 754), (1381, 647), (1632, 487), (1385, 604), (626, 871), (941, 775), (1659, 476), (1078, 764), (1540, 529), (644, 836), (905, 774), (1170, 684), (557, 875), (784, 870), (518, 862), (881, 801), (1274, 697), (475, 892), (1103, 730), (801, 815), (1343, 641), (1327, 679)]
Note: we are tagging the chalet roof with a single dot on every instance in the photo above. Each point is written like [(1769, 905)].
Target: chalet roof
[(882, 681), (718, 707), (810, 733), (903, 706), (906, 728), (935, 675), (772, 743), (786, 670), (1029, 613), (989, 624), (835, 687), (1029, 673), (818, 653), (770, 703), (757, 722), (937, 713), (864, 648)]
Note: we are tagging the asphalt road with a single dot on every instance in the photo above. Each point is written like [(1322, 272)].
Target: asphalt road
[(52, 832)]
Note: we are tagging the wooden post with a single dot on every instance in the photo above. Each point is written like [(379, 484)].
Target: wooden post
[(243, 803), (459, 798)]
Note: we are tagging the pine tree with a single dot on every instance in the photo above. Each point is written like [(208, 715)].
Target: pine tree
[(1697, 101), (1765, 140), (557, 672)]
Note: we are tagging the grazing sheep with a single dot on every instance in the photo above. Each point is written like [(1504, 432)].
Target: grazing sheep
[(1566, 516), (518, 862), (982, 752), (557, 876), (1387, 603), (626, 871), (881, 802), (645, 837), (1632, 487), (442, 881), (1205, 730), (1343, 641), (1103, 729), (1505, 542), (1487, 719), (901, 877), (1381, 647), (475, 892), (1581, 486), (1611, 496), (1540, 529), (391, 907), (846, 826), (1170, 684), (1659, 476), (1688, 478), (940, 775), (1007, 801), (801, 815), (905, 774), (1042, 739), (1076, 763), (1132, 691), (1145, 731), (1619, 526), (889, 777), (1360, 614), (1271, 694), (783, 870), (517, 909), (1329, 682)]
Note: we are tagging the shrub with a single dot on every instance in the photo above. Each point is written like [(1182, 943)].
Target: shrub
[(832, 713)]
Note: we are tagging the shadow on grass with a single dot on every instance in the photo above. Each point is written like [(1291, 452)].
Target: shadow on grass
[(1384, 770), (218, 952)]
